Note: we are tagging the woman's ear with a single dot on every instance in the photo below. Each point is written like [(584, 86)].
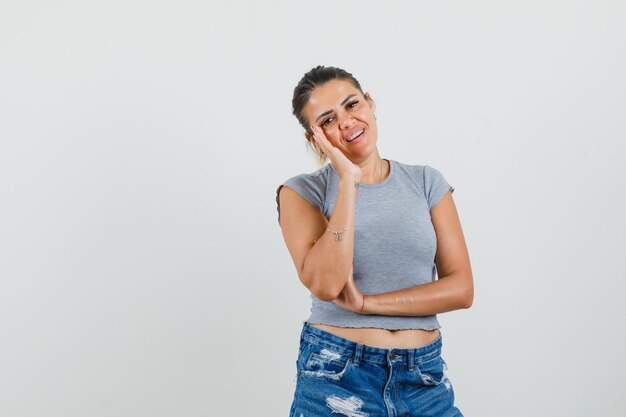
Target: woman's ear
[(370, 100)]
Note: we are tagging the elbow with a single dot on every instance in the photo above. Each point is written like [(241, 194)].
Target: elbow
[(311, 281), (325, 296), (320, 285), (465, 285), (468, 298), (323, 292)]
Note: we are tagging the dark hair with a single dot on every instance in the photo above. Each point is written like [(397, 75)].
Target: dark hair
[(302, 93)]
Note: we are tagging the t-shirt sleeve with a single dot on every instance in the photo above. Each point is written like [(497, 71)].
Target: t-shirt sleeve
[(309, 186), (435, 186)]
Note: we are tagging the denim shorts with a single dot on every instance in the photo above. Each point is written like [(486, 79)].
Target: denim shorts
[(339, 377)]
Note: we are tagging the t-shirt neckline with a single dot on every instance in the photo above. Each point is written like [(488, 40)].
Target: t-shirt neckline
[(392, 171)]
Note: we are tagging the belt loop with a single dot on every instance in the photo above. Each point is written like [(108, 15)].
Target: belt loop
[(357, 354), (411, 359)]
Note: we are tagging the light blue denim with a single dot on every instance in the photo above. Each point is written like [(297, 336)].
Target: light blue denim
[(339, 377)]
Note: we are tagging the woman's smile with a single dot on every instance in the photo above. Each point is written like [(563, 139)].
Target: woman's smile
[(356, 137)]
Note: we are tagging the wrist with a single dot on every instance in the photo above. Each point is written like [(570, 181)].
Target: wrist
[(349, 184), (362, 310)]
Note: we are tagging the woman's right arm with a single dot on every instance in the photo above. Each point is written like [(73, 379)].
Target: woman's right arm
[(323, 263)]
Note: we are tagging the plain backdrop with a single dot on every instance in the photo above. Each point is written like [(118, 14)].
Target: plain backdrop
[(142, 268)]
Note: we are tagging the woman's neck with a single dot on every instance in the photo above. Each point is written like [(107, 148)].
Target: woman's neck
[(374, 170)]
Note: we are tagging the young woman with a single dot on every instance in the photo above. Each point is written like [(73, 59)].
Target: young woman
[(367, 236)]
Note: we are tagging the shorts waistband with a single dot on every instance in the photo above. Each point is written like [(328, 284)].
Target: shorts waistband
[(359, 351)]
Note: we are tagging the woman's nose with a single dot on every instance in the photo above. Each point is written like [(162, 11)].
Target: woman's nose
[(345, 120)]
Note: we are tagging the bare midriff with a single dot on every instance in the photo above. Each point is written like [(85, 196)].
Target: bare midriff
[(383, 338)]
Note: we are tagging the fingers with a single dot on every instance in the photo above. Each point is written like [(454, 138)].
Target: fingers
[(321, 140), (315, 137)]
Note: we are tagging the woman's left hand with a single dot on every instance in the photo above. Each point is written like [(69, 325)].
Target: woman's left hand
[(350, 298)]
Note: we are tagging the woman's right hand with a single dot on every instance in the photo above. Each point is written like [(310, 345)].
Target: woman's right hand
[(344, 166)]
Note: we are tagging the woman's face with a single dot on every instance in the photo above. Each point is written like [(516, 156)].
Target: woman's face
[(341, 111)]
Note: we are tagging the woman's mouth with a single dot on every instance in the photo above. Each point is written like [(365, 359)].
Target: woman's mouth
[(356, 137)]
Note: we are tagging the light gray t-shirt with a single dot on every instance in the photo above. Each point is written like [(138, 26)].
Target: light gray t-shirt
[(394, 238)]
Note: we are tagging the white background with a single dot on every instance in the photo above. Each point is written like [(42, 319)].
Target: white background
[(142, 268)]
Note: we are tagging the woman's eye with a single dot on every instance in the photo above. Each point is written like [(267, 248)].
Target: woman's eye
[(354, 103), (327, 120)]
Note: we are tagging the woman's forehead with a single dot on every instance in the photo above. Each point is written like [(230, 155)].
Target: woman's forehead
[(332, 92), (330, 95)]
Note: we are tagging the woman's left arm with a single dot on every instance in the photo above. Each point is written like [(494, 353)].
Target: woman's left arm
[(455, 287)]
